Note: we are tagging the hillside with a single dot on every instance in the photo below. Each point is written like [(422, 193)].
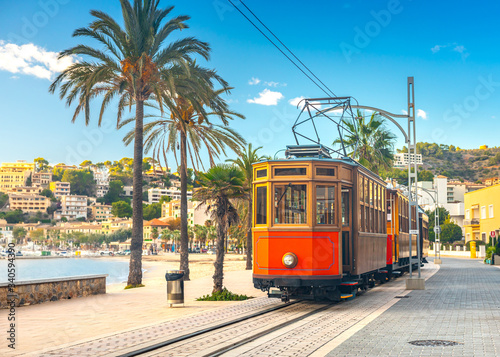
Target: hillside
[(453, 162)]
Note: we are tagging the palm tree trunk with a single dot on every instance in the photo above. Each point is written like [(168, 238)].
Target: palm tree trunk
[(249, 234), (184, 261), (135, 266), (219, 258)]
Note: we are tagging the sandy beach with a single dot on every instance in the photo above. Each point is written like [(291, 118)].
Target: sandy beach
[(64, 322)]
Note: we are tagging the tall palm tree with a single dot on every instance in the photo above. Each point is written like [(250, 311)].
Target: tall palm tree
[(244, 162), (188, 128), (132, 66), (219, 185), (374, 143)]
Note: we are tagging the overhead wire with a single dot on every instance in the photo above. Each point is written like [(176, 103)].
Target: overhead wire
[(279, 49), (291, 52)]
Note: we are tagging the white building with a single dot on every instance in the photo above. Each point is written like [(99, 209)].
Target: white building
[(72, 207), (155, 194), (128, 191), (401, 159), (196, 212), (101, 177)]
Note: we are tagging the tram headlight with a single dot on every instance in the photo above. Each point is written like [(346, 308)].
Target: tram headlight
[(289, 260)]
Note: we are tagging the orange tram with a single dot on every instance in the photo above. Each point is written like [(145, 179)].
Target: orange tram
[(327, 228)]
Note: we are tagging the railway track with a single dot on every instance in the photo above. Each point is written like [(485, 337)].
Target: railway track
[(222, 338)]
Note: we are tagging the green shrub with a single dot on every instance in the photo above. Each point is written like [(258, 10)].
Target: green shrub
[(489, 252), (134, 286), (224, 295)]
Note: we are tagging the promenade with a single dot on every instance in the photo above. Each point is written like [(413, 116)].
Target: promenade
[(460, 305)]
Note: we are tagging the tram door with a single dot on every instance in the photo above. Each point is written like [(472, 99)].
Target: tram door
[(346, 229)]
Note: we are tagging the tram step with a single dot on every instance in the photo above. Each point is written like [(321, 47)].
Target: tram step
[(274, 294), (349, 283), (347, 296), (396, 272)]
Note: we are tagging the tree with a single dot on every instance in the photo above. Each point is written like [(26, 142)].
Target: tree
[(114, 193), (4, 198), (47, 193), (13, 216), (219, 185), (37, 235), (41, 164), (373, 141), (82, 182), (425, 175), (152, 211), (121, 209), (19, 233), (244, 162), (134, 66), (188, 127), (450, 232), (86, 163), (165, 199)]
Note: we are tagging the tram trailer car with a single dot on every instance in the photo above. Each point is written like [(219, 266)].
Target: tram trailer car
[(398, 247), (320, 226)]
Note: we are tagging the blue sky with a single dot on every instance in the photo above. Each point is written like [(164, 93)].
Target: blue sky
[(358, 48)]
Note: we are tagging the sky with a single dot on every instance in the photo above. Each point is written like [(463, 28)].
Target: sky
[(362, 49)]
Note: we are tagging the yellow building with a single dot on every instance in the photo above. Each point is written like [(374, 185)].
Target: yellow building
[(28, 202), (115, 224), (14, 174), (101, 212), (483, 147), (60, 189), (482, 213)]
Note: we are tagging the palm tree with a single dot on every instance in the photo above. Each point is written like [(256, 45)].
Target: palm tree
[(189, 129), (134, 66), (244, 162), (219, 185), (373, 141)]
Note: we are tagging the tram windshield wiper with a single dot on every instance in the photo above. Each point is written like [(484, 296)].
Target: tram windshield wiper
[(283, 195)]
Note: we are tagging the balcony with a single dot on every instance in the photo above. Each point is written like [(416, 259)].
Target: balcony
[(474, 222)]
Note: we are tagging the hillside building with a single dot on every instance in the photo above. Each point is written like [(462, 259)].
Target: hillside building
[(60, 189), (72, 207), (15, 174), (155, 194)]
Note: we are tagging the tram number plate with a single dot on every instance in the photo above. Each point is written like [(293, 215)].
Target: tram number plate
[(413, 231)]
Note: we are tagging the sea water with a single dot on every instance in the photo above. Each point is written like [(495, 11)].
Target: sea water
[(31, 269)]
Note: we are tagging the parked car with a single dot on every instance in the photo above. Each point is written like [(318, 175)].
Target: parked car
[(211, 251), (63, 253), (196, 250), (106, 252), (203, 250), (126, 252)]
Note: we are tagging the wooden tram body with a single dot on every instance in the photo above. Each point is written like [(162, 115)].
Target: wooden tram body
[(320, 227)]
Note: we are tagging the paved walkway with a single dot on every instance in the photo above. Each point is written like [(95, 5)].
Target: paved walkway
[(461, 303)]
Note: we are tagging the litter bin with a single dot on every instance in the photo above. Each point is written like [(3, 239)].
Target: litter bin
[(175, 287)]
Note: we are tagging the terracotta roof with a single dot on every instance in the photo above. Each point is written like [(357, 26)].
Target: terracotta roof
[(156, 222)]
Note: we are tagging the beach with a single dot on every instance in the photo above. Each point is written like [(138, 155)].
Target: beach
[(68, 321)]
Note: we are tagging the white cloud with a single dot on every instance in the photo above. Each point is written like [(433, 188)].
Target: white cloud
[(254, 81), (295, 101), (437, 48), (459, 49), (271, 84), (267, 97), (421, 114), (404, 112), (14, 77), (31, 60)]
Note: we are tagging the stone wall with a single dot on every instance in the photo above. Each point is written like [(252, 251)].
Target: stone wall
[(38, 291)]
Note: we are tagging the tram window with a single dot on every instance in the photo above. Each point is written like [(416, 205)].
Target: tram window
[(261, 173), (290, 171), (367, 198), (323, 171), (325, 204), (290, 204), (345, 207), (261, 205), (360, 189)]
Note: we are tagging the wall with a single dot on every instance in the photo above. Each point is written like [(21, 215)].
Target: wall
[(38, 291)]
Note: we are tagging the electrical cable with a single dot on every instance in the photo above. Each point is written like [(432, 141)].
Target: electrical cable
[(276, 37), (279, 49)]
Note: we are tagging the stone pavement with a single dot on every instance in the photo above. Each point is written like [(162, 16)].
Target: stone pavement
[(461, 303)]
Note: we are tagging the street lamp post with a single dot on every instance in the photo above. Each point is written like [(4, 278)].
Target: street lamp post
[(410, 138)]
